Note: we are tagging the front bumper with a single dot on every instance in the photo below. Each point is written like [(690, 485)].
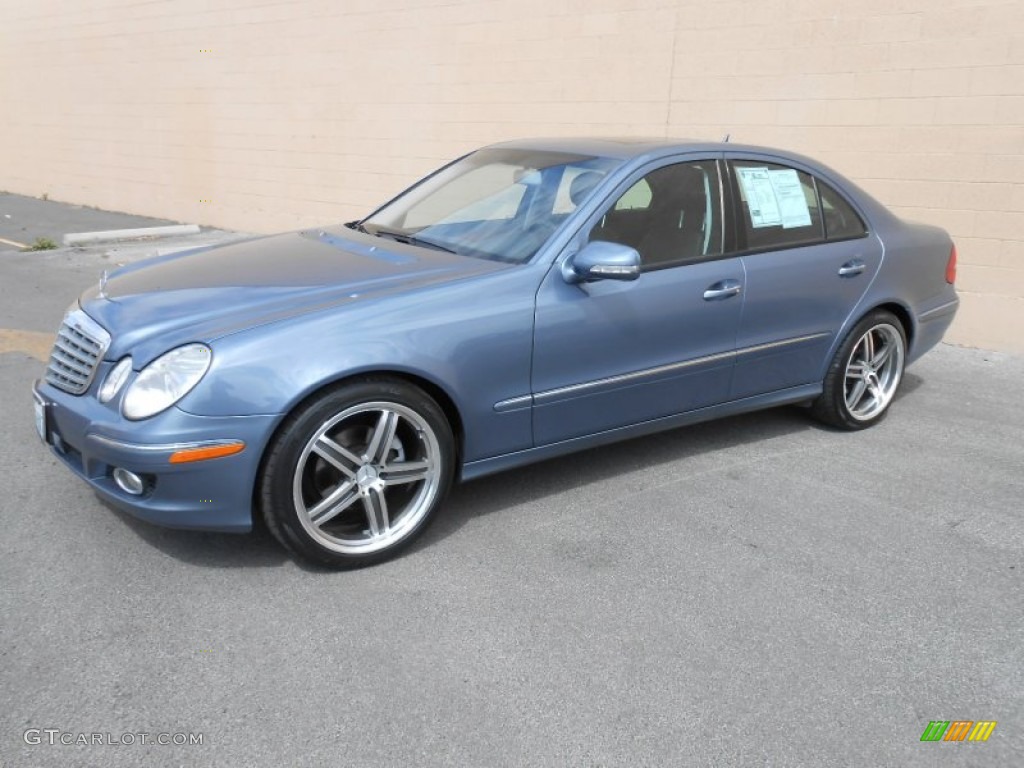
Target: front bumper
[(215, 495)]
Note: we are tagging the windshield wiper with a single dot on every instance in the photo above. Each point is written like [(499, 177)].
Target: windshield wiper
[(358, 227), (408, 239), (431, 244)]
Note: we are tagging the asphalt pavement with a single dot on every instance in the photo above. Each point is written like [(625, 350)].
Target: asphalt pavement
[(758, 591), (25, 219)]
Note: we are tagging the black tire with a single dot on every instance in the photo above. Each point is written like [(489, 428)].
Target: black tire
[(348, 458), (848, 400)]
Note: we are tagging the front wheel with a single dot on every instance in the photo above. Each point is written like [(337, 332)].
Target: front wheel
[(355, 475), (864, 374)]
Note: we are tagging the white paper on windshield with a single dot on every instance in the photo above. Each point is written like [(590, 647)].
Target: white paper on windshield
[(789, 194), (761, 200)]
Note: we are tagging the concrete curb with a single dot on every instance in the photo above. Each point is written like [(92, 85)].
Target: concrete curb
[(82, 238)]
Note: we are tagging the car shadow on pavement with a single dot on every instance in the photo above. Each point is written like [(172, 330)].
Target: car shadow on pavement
[(504, 490), (910, 384), (257, 549), (535, 481)]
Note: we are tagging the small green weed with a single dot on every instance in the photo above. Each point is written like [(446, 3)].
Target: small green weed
[(42, 244)]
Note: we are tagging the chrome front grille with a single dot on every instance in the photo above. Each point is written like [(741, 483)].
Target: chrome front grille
[(80, 345)]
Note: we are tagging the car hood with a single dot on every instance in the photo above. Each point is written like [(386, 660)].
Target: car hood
[(200, 295)]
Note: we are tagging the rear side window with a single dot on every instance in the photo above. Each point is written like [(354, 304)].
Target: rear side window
[(841, 221), (777, 207)]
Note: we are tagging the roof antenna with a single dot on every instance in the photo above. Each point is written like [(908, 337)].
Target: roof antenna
[(726, 139)]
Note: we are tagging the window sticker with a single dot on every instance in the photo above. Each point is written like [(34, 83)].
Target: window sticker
[(760, 194), (774, 198), (789, 194)]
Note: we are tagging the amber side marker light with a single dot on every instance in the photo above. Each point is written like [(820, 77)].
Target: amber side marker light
[(205, 452), (951, 266)]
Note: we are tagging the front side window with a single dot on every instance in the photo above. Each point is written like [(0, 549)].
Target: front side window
[(670, 216), (777, 206), (495, 203)]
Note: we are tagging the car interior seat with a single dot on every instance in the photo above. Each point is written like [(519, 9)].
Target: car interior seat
[(581, 186), (675, 220)]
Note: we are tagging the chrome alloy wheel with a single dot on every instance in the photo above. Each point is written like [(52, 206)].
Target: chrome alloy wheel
[(367, 477), (873, 371)]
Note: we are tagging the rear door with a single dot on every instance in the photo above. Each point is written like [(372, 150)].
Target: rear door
[(808, 259)]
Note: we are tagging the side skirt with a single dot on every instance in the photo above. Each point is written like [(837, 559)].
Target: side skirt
[(483, 467)]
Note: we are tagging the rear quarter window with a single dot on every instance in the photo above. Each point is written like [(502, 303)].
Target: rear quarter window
[(841, 221)]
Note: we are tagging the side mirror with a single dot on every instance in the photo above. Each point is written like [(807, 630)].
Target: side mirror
[(601, 260)]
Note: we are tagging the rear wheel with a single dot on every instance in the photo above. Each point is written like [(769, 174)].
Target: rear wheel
[(864, 374), (355, 475)]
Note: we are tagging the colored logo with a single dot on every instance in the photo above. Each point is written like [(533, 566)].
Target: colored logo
[(958, 730)]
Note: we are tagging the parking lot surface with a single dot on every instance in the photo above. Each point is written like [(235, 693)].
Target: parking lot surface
[(24, 219), (759, 591)]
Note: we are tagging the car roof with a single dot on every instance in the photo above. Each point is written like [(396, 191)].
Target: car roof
[(630, 147), (641, 149)]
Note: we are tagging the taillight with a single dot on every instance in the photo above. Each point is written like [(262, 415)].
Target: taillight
[(951, 266)]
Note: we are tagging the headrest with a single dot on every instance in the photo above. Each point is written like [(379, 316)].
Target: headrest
[(583, 185)]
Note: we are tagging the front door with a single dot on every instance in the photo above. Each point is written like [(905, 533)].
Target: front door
[(609, 354)]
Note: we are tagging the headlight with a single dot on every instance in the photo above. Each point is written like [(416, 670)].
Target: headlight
[(115, 380), (166, 380)]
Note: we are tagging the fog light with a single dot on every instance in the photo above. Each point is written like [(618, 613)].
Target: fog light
[(129, 482)]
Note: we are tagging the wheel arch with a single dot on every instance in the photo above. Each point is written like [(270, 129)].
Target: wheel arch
[(437, 392), (834, 406), (902, 314), (897, 308)]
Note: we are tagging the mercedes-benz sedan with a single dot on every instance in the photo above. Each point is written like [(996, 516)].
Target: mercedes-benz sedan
[(527, 300)]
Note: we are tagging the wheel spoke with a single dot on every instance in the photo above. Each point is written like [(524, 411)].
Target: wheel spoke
[(881, 356), (856, 394), (334, 503), (376, 507), (405, 472), (855, 371), (869, 346), (336, 455), (383, 435)]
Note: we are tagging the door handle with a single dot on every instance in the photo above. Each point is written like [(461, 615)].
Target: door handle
[(723, 289), (852, 268)]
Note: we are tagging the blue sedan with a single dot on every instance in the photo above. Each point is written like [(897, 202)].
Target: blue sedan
[(527, 300)]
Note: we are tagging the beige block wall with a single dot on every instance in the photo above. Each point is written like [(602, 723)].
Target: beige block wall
[(263, 115)]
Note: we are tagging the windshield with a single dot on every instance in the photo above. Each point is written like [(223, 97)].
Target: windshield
[(495, 203)]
